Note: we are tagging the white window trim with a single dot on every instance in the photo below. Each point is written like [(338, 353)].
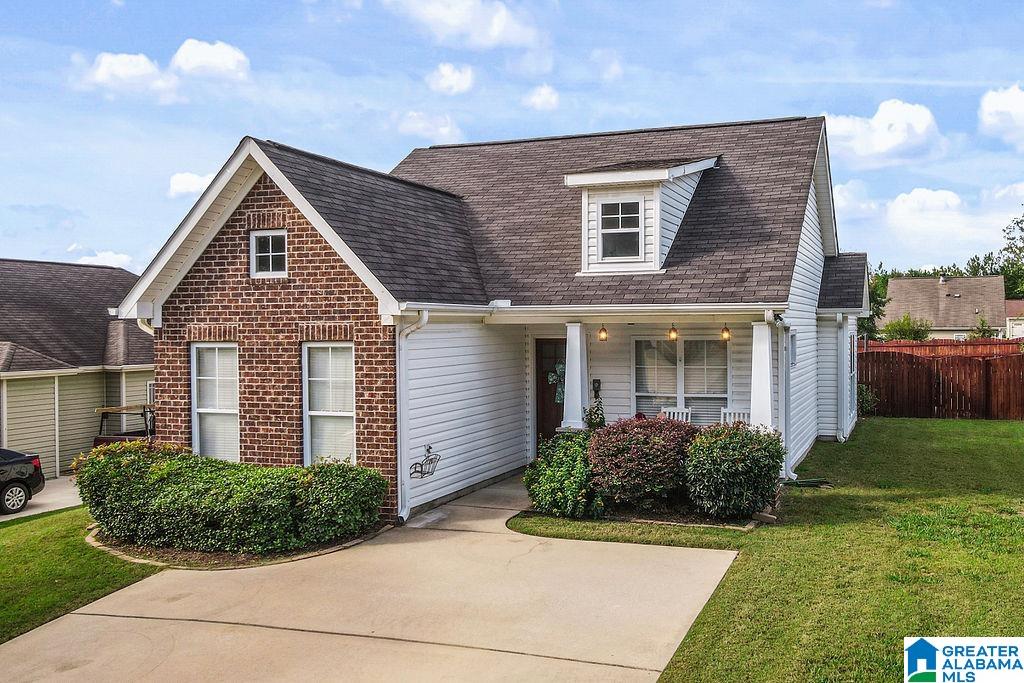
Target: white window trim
[(252, 253), (640, 230), (307, 458), (728, 368), (151, 391), (194, 375)]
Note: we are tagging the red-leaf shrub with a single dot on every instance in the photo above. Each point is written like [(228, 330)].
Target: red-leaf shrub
[(640, 461)]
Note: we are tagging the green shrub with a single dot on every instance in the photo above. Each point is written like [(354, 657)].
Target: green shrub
[(733, 469), (641, 461), (867, 400), (558, 480), (163, 495), (907, 328)]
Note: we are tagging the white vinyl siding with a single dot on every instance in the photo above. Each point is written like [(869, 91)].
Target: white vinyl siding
[(329, 402), (675, 198), (467, 400), (655, 375), (215, 400), (828, 377), (802, 399), (592, 250), (135, 390), (30, 420), (80, 396)]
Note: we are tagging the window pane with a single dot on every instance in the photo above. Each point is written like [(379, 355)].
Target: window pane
[(227, 362), (630, 222), (705, 411), (655, 370), (694, 380), (206, 393), (227, 393), (277, 263), (319, 395), (609, 209), (319, 362), (277, 244), (652, 405), (717, 352), (206, 360), (262, 244), (693, 353), (718, 381), (331, 437), (630, 208), (218, 435), (620, 244), (609, 223), (262, 264)]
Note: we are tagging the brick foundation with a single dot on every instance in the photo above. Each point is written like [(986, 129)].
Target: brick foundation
[(320, 300)]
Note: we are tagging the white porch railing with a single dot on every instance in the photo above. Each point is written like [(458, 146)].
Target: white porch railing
[(728, 414), (732, 415)]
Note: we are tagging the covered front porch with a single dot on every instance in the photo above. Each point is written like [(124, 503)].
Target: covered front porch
[(700, 370)]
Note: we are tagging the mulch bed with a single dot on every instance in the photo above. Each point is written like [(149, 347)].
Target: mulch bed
[(174, 558), (677, 516)]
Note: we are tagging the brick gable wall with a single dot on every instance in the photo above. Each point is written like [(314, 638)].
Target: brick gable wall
[(320, 300)]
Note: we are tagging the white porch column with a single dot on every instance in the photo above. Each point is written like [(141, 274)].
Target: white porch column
[(576, 393), (761, 376)]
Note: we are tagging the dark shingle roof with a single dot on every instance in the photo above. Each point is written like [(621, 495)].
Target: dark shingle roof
[(643, 164), (955, 304), (414, 238), (54, 315), (737, 243), (842, 281)]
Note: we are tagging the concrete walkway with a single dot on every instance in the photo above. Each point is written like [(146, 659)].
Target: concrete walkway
[(453, 595), (58, 494)]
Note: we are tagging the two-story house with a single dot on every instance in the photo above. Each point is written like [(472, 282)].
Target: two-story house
[(481, 296)]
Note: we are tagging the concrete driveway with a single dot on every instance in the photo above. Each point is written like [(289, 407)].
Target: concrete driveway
[(58, 494), (454, 595)]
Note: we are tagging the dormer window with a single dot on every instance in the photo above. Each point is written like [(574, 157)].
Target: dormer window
[(621, 230), (268, 253)]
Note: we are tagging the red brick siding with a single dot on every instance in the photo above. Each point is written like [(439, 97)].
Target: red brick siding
[(320, 300)]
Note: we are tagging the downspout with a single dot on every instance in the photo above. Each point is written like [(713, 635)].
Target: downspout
[(401, 379), (146, 326)]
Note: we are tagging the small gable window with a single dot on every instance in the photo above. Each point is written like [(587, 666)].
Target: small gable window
[(621, 230), (268, 253)]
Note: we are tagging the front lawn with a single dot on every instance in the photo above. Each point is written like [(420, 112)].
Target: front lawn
[(46, 570), (923, 535)]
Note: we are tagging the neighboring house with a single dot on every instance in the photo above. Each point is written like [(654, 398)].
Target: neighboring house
[(482, 295), (953, 305), (1014, 318), (62, 356)]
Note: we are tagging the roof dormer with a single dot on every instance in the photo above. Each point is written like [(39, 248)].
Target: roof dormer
[(632, 211)]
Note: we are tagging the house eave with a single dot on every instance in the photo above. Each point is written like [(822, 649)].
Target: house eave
[(649, 175)]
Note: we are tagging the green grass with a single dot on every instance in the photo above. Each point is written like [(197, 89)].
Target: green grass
[(923, 535), (46, 570)]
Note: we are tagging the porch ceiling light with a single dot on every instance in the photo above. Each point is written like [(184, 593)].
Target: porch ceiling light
[(602, 334), (726, 333), (673, 333)]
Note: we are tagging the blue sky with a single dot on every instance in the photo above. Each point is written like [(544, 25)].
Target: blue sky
[(114, 113)]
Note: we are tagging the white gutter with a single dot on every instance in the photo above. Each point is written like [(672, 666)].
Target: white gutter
[(501, 308), (402, 390), (146, 326)]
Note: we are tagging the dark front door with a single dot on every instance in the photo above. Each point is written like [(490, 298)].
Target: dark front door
[(550, 383)]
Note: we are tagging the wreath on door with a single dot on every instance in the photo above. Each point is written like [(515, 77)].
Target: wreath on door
[(558, 379)]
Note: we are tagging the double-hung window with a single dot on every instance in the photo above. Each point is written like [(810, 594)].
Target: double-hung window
[(215, 400), (329, 401), (655, 375), (705, 379), (621, 232), (268, 253)]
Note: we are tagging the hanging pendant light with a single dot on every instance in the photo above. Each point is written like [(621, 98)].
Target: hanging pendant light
[(726, 333), (602, 334), (673, 333)]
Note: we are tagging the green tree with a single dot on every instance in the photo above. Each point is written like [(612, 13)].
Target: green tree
[(982, 330), (907, 328), (877, 285)]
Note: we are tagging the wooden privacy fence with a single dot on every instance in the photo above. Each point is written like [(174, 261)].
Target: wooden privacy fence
[(977, 348), (951, 387)]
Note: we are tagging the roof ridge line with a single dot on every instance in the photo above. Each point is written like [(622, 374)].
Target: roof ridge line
[(65, 263), (362, 169), (629, 131)]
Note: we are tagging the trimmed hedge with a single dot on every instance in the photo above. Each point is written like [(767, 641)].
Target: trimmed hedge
[(733, 469), (558, 480), (165, 496), (641, 461)]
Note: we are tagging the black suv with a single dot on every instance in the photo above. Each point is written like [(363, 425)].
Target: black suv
[(21, 477)]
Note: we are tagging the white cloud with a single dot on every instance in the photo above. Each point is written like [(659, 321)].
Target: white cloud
[(437, 129), (852, 200), (450, 79), (899, 131), (608, 64), (107, 258), (122, 72), (74, 246), (1001, 114), (542, 98), (469, 23), (940, 225), (197, 57), (187, 183)]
